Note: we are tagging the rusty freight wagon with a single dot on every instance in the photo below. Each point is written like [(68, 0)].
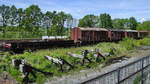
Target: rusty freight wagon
[(18, 46), (89, 35), (131, 34), (142, 34), (79, 35), (95, 35), (116, 34)]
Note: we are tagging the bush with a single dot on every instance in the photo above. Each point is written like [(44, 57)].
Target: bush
[(145, 41), (37, 60), (129, 43)]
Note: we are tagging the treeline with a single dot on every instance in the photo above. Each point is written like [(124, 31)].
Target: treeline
[(105, 21), (32, 22)]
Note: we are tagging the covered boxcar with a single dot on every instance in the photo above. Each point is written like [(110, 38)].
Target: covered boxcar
[(142, 34), (89, 35), (131, 34), (116, 34)]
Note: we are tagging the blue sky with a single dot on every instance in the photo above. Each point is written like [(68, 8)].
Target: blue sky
[(79, 8)]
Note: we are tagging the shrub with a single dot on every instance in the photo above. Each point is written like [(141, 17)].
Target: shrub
[(37, 60), (145, 41), (129, 43)]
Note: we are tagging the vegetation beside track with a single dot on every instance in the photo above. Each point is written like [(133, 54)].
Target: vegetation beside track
[(36, 59)]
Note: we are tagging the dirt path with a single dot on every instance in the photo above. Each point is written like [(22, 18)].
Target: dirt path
[(83, 75)]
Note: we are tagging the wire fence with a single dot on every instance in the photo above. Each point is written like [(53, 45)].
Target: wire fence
[(137, 72)]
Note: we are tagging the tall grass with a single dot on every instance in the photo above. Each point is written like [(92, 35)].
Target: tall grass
[(36, 59)]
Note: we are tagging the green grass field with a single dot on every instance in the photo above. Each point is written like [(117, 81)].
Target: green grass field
[(36, 59)]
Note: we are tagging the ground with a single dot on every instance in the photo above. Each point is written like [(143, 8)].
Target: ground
[(83, 75), (127, 47)]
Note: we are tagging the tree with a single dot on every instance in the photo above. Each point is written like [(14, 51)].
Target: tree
[(47, 20), (132, 23), (69, 21), (32, 18), (5, 14), (88, 21), (61, 18), (31, 21), (20, 16), (120, 23), (144, 26), (68, 24), (13, 15), (105, 21)]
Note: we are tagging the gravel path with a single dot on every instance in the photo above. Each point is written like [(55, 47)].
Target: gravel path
[(78, 77)]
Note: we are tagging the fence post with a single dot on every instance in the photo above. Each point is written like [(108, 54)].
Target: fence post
[(118, 75), (142, 81)]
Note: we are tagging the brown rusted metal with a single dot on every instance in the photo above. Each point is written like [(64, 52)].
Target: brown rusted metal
[(95, 35), (21, 45), (89, 35)]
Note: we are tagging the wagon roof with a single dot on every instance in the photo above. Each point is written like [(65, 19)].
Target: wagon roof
[(143, 31), (131, 31), (92, 29), (116, 29)]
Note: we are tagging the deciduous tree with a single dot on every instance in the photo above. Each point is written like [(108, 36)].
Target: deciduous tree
[(144, 26), (5, 14), (132, 23), (120, 23), (88, 21), (105, 21)]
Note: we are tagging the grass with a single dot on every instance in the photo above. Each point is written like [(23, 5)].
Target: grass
[(138, 78), (36, 59)]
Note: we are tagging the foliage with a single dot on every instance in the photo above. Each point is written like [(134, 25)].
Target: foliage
[(138, 78), (132, 23), (145, 41), (37, 59), (33, 23), (144, 26), (105, 21), (120, 23), (28, 23), (130, 43), (88, 21)]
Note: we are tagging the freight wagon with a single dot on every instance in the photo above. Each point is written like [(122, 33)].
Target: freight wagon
[(89, 35), (18, 46), (94, 35), (79, 36)]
